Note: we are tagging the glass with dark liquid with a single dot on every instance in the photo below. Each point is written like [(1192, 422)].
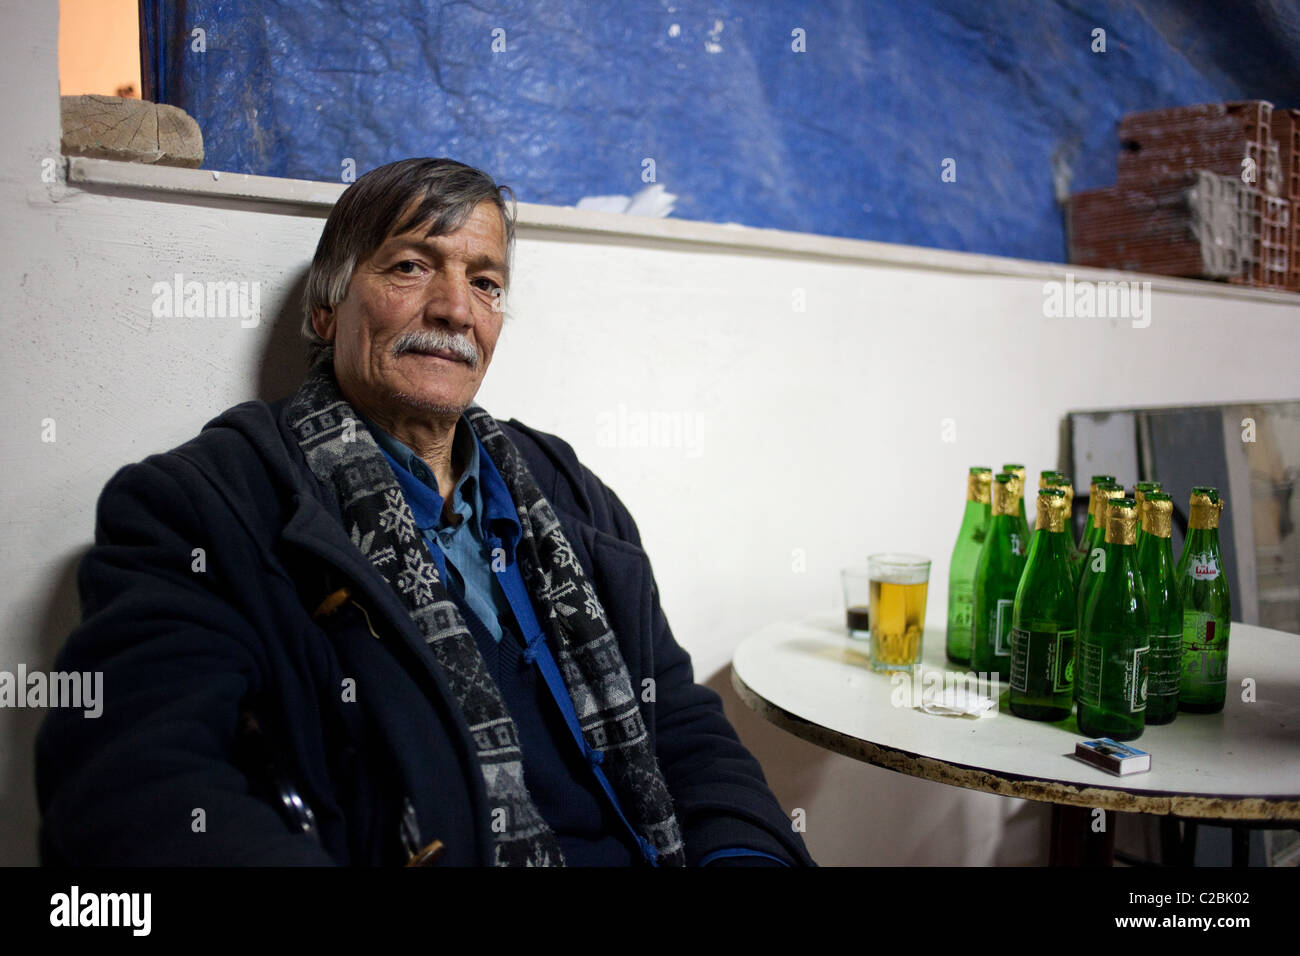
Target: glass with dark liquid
[(857, 600)]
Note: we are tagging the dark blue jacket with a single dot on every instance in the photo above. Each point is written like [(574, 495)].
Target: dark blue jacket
[(197, 603)]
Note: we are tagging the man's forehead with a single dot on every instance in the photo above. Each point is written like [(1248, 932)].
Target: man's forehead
[(419, 229), (417, 233)]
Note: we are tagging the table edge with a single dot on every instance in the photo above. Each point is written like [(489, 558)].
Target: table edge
[(1226, 807)]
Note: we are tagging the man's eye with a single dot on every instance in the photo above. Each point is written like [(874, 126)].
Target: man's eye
[(488, 284), (402, 267)]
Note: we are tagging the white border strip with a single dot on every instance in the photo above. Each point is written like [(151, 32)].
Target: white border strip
[(539, 219)]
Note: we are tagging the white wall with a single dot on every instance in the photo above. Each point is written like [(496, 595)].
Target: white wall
[(819, 430)]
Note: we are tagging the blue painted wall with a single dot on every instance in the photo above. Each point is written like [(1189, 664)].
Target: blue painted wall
[(845, 139)]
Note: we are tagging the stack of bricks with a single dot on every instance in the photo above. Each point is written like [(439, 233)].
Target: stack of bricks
[(1202, 191), (1286, 132)]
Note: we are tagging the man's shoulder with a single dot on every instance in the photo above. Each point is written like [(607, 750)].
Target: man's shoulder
[(232, 443), (569, 485), (549, 457), (240, 456)]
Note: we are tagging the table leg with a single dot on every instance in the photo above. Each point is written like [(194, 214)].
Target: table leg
[(1075, 840), (1177, 841), (1241, 845), (1171, 841)]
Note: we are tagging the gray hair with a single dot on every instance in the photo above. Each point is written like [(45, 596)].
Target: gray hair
[(369, 211)]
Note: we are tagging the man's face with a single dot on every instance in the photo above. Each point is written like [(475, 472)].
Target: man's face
[(415, 333)]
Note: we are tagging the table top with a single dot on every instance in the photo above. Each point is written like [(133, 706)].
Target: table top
[(813, 680)]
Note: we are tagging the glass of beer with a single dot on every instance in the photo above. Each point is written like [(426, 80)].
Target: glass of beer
[(899, 583)]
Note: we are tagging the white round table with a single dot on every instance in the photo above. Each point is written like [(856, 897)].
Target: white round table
[(1242, 764)]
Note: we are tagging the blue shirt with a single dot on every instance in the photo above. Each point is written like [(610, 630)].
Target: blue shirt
[(483, 537)]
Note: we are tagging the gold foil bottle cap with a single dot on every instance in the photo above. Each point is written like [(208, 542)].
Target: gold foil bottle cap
[(1006, 494), (1052, 510), (1157, 514), (1018, 471), (1017, 486), (1093, 486), (1121, 521), (1065, 484), (1105, 492), (1141, 490), (1204, 508), (977, 484)]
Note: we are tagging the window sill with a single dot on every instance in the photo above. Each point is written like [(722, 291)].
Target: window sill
[(317, 198)]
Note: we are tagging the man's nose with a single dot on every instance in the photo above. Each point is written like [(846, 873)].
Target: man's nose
[(449, 300)]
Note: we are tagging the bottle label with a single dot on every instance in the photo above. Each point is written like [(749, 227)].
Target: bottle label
[(1126, 674), (1063, 664), (1017, 546), (1042, 662), (1089, 675), (1136, 679), (1204, 650), (961, 602), (1204, 566), (1165, 664), (1002, 627)]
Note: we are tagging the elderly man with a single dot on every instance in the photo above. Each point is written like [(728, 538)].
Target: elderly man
[(371, 625)]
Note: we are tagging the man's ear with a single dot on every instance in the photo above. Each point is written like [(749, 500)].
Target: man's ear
[(322, 320)]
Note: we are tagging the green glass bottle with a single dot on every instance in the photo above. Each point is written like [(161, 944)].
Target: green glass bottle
[(1107, 492), (1093, 559), (1043, 620), (997, 576), (1023, 524), (1140, 491), (1057, 480), (1207, 608), (1092, 508), (1164, 608), (961, 568), (1111, 676), (1081, 550)]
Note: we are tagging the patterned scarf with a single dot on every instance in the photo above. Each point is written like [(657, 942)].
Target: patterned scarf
[(344, 456)]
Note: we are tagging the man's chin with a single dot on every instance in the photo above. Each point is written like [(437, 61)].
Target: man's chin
[(429, 404)]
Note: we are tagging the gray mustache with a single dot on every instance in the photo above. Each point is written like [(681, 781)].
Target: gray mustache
[(432, 339)]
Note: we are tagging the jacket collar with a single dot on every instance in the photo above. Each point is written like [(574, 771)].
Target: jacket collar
[(316, 523)]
